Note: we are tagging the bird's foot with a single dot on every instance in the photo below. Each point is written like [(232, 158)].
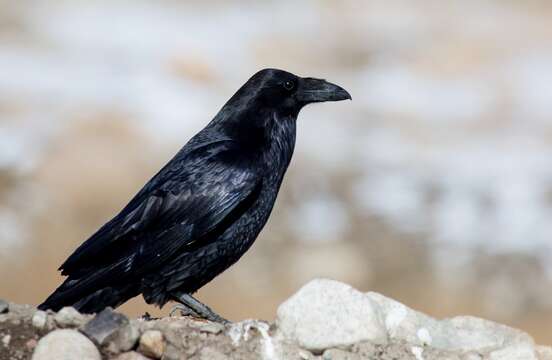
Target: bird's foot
[(190, 306), (184, 311)]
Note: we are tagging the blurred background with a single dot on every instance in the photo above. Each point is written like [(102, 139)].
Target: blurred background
[(433, 186)]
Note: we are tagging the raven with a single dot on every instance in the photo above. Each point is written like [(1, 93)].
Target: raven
[(202, 211)]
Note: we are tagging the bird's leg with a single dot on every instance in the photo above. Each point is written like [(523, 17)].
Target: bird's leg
[(196, 308)]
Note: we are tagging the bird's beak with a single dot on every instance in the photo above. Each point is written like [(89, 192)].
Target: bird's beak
[(318, 90)]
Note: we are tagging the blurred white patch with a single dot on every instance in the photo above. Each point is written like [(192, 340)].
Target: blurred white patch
[(319, 219), (530, 79), (393, 196), (396, 89), (12, 231)]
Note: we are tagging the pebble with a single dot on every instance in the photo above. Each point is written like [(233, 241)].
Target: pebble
[(31, 344), (69, 317), (6, 340), (39, 319), (152, 344)]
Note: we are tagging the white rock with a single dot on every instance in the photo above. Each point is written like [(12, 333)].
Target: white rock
[(65, 344), (463, 333), (327, 313)]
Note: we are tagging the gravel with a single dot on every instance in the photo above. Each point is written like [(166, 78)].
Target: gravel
[(324, 320)]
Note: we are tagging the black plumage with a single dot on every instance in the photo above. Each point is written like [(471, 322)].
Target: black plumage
[(202, 211)]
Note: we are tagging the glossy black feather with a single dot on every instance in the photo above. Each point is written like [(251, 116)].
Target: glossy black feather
[(202, 211)]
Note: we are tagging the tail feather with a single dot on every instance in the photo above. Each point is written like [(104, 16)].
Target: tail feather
[(69, 294)]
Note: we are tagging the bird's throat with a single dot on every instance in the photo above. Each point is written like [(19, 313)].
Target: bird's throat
[(280, 144)]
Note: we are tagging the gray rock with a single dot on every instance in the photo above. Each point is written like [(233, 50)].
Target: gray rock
[(112, 331), (39, 319), (4, 306), (104, 325), (65, 344), (69, 317), (327, 313), (152, 344)]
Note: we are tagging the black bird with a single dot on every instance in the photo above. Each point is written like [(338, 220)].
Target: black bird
[(203, 210)]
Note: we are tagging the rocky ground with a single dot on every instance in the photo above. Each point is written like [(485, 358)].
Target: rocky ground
[(323, 320)]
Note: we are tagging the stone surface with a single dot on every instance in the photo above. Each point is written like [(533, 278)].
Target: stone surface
[(207, 326), (514, 352), (131, 355), (338, 354), (327, 313), (211, 354), (152, 344), (471, 333), (65, 344), (69, 317)]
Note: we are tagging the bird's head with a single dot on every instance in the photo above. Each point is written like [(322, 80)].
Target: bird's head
[(286, 93), (263, 111)]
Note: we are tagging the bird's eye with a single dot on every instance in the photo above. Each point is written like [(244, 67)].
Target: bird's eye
[(289, 85)]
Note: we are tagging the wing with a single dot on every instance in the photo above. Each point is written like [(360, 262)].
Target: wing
[(191, 196)]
